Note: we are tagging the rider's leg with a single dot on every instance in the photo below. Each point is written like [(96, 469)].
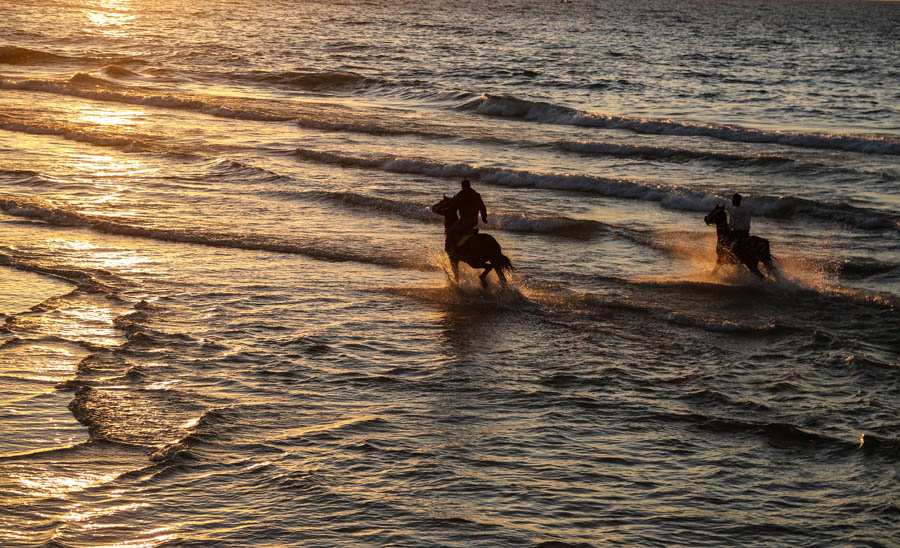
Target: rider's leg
[(460, 228)]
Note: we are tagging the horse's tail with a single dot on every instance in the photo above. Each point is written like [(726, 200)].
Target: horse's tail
[(502, 263), (768, 259)]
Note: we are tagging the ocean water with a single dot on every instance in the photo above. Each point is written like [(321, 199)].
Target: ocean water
[(227, 320)]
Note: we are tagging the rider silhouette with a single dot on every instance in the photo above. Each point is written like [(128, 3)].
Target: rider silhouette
[(468, 204), (738, 221)]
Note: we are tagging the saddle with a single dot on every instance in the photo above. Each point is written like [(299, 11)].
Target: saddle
[(465, 238)]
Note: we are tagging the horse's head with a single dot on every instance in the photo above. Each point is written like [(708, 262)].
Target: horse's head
[(716, 216), (442, 207)]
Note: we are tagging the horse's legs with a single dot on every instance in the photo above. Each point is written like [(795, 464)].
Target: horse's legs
[(483, 276), (720, 258), (500, 276), (754, 268), (454, 266)]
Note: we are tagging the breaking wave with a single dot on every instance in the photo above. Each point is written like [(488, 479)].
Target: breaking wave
[(537, 111), (670, 196), (116, 71)]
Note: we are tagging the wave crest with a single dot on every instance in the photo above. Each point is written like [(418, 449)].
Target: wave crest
[(312, 80), (538, 111), (15, 55), (669, 196)]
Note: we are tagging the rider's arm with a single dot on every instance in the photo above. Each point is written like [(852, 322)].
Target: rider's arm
[(482, 209)]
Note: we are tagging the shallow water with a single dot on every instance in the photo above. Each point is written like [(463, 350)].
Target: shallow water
[(227, 318)]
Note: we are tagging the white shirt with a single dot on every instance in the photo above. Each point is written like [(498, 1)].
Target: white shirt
[(739, 218)]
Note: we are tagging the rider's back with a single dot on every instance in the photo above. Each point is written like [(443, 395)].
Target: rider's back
[(468, 202), (739, 219)]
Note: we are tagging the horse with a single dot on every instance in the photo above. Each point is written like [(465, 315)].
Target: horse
[(478, 251), (748, 251)]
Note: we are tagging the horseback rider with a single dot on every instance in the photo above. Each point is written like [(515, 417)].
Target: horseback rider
[(738, 221), (468, 204)]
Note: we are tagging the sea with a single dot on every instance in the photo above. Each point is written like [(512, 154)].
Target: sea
[(226, 318)]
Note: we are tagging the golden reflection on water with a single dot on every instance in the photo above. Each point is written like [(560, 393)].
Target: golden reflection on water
[(108, 17), (111, 116), (48, 482), (143, 542), (93, 256), (107, 165), (77, 514)]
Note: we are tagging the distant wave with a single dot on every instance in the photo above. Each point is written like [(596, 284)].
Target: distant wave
[(863, 267), (310, 79), (664, 153), (74, 133), (512, 107), (781, 434), (83, 79), (129, 142), (17, 173), (620, 150), (14, 55), (115, 71), (670, 196), (368, 128), (36, 209), (559, 226), (92, 87), (580, 147), (787, 207), (672, 154)]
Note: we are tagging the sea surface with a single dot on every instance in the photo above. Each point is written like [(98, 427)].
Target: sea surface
[(225, 318)]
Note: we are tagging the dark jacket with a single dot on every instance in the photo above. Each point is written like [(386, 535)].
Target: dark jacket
[(469, 203)]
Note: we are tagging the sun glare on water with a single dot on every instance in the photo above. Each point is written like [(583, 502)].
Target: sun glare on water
[(108, 17), (104, 116)]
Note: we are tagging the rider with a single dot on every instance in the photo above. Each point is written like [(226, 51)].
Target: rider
[(738, 221), (468, 204)]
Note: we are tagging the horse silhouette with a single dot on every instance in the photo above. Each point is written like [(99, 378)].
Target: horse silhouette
[(749, 251), (478, 251)]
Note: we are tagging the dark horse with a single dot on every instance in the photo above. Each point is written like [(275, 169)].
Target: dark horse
[(750, 251), (479, 251)]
